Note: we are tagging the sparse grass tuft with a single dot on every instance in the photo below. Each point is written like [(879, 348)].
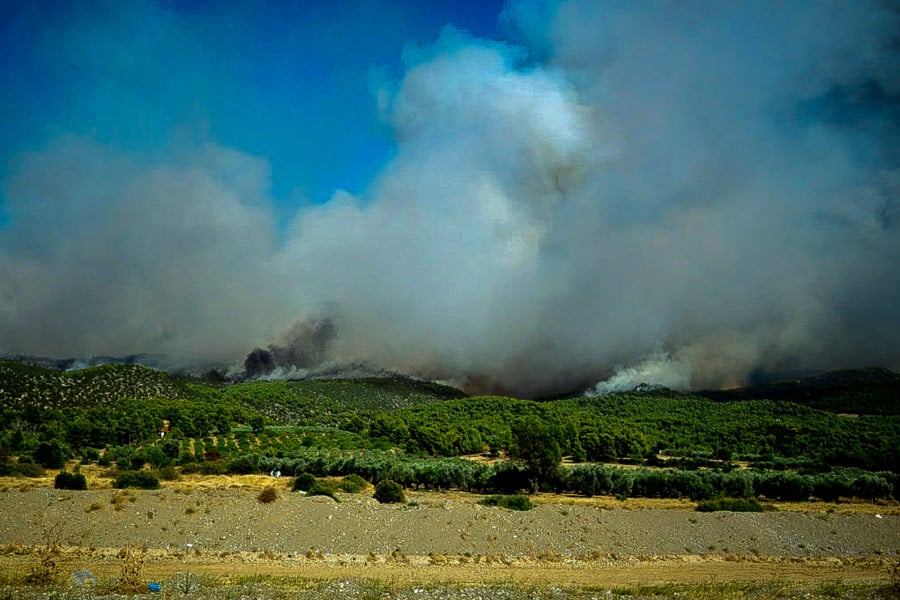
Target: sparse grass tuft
[(119, 498)]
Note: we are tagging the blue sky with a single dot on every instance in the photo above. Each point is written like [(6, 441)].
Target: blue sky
[(288, 81)]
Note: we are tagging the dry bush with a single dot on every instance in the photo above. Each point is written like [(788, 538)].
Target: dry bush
[(268, 494), (131, 577), (895, 577), (48, 567), (398, 556), (119, 497), (550, 556)]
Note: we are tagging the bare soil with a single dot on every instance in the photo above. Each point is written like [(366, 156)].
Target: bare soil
[(220, 527)]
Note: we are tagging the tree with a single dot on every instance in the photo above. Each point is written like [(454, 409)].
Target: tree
[(257, 423), (390, 426), (535, 443)]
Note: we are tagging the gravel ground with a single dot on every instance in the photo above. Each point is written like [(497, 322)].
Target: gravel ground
[(233, 520), (219, 541)]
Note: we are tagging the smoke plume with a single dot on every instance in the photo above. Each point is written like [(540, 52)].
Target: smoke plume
[(686, 193)]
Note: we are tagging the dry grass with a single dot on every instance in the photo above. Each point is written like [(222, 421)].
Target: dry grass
[(99, 479), (192, 482), (48, 567), (845, 507), (120, 497)]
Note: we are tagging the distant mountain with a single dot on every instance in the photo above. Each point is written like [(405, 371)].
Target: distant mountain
[(872, 391)]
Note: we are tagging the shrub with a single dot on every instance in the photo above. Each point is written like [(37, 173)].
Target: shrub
[(70, 481), (268, 494), (304, 482), (21, 469), (320, 490), (389, 492), (89, 455), (213, 467), (244, 464), (871, 487), (144, 480), (731, 504), (785, 485), (352, 484), (512, 502), (168, 473), (51, 454)]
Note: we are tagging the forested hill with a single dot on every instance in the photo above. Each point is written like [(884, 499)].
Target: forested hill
[(872, 391), (24, 384), (331, 401), (76, 413)]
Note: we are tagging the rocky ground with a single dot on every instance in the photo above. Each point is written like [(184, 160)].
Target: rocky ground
[(221, 531), (233, 520)]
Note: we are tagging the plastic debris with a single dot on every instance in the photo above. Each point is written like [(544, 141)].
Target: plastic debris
[(154, 587), (84, 578)]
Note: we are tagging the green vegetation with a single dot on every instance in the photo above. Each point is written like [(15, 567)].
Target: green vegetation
[(513, 502), (70, 481), (304, 482), (352, 484), (389, 492), (535, 443), (414, 433), (730, 504), (144, 480)]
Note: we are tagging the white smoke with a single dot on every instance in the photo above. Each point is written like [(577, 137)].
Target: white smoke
[(691, 191), (658, 369)]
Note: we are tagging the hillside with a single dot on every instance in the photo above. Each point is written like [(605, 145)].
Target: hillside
[(121, 405), (871, 391), (24, 384), (327, 401)]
